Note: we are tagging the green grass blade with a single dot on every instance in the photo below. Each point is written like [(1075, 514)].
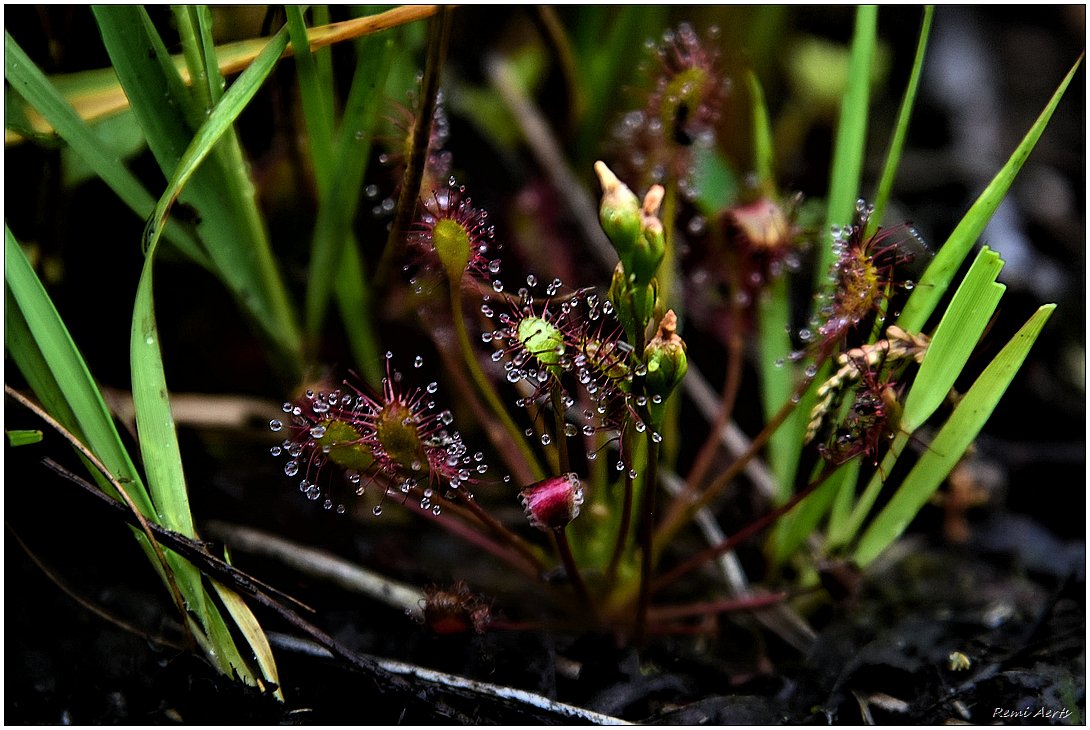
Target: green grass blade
[(952, 440), (778, 382), (954, 339), (323, 57), (49, 359), (154, 420), (317, 108), (25, 77), (24, 437), (953, 342), (166, 477), (793, 528), (610, 59), (947, 261), (851, 134), (844, 184), (231, 226), (764, 159), (900, 130), (354, 304), (778, 374), (213, 129), (353, 148)]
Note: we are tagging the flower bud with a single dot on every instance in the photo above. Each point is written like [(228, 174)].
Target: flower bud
[(619, 211), (665, 358), (763, 226), (634, 304), (650, 247), (554, 502)]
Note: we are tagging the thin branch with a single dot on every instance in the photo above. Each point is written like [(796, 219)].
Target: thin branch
[(463, 686)]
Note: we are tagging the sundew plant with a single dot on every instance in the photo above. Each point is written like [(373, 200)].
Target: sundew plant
[(506, 339)]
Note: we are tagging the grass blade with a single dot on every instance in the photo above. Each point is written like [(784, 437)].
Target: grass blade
[(778, 374), (317, 106), (166, 479), (947, 261), (952, 440), (764, 159), (900, 130), (231, 226), (953, 342), (45, 353), (25, 77), (353, 149), (851, 134), (954, 339), (793, 528), (96, 94)]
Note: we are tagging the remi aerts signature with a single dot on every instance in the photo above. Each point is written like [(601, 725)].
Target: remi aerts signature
[(1031, 711)]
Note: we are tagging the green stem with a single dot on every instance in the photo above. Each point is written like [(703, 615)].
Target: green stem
[(647, 527), (626, 513), (484, 387)]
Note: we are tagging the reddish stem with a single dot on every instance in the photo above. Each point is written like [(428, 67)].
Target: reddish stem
[(728, 605), (739, 537)]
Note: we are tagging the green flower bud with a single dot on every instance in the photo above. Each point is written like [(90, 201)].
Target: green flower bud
[(619, 211), (665, 358), (633, 303), (650, 247)]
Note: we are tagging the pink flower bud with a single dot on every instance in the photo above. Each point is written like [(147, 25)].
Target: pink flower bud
[(554, 502)]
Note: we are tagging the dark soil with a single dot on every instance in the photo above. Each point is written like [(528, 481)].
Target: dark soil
[(1011, 602)]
